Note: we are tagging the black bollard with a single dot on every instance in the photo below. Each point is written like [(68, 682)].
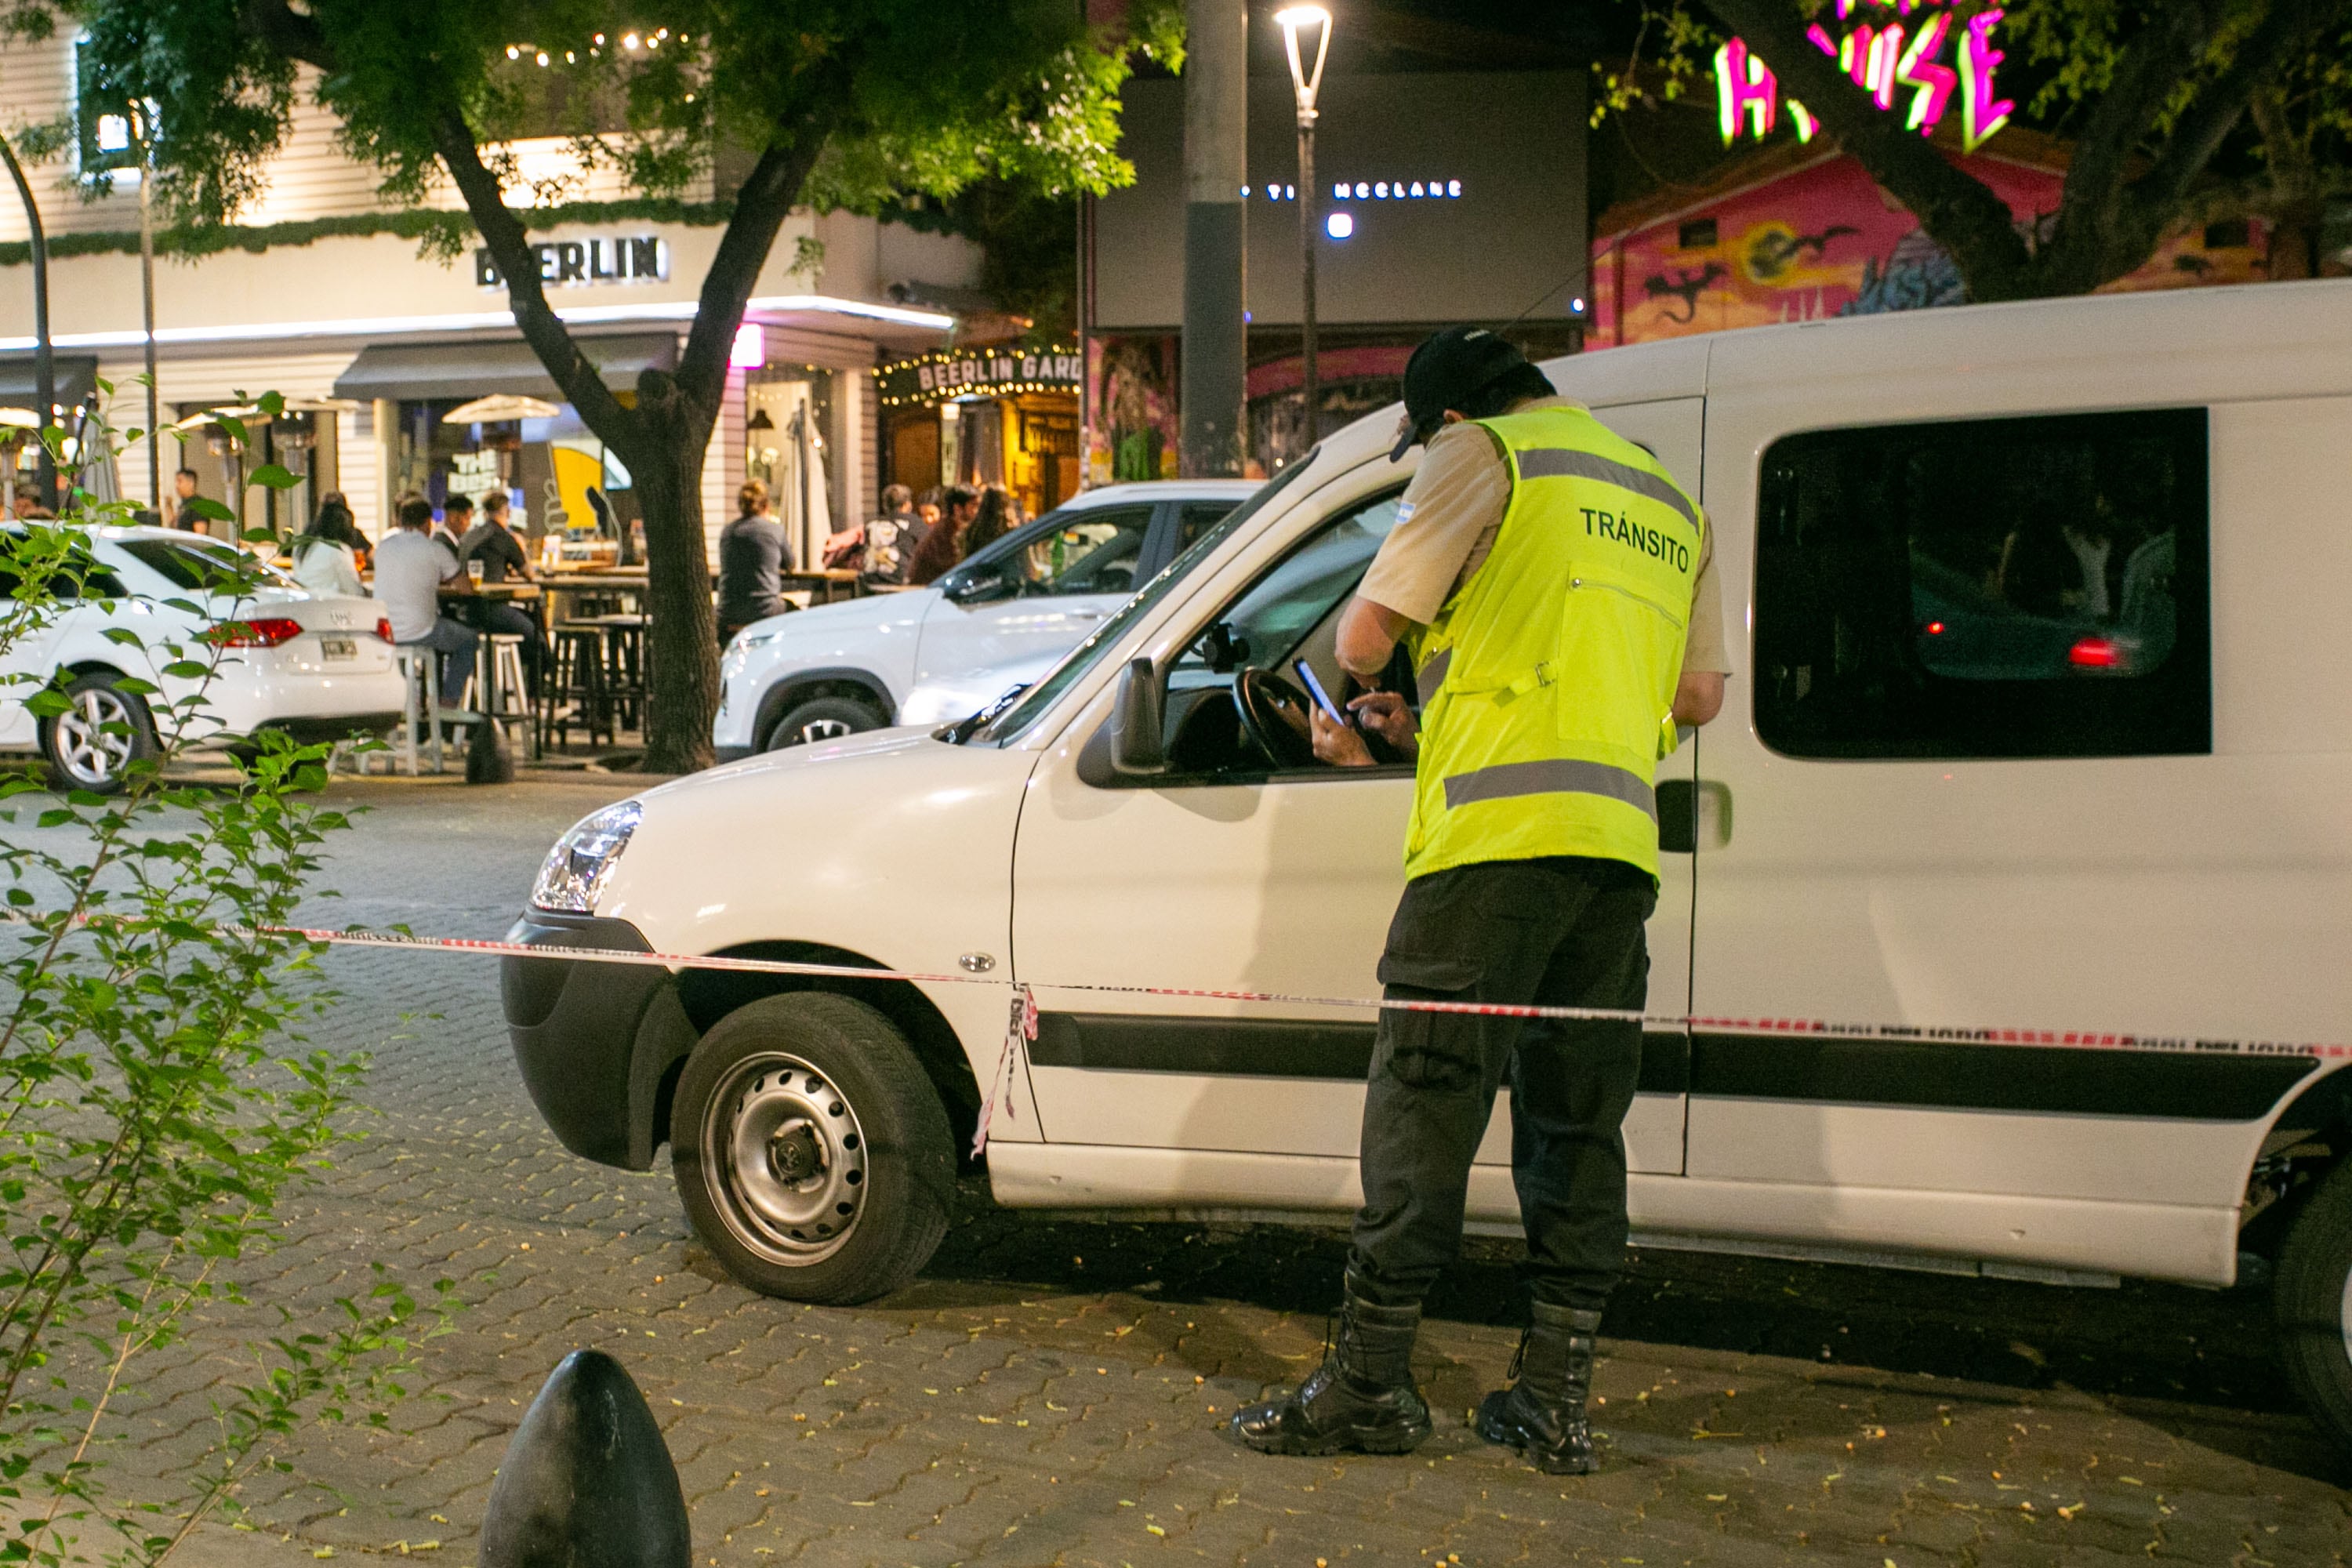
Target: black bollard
[(587, 1481), (487, 761)]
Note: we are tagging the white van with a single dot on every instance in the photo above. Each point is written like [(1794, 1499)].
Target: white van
[(2039, 719)]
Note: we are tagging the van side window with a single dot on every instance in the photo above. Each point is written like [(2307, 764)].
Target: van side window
[(2029, 587)]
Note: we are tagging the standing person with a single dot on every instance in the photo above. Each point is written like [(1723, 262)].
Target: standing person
[(411, 569), (889, 543), (943, 546), (1531, 865), (753, 556), (175, 510), (493, 543), (324, 562), (995, 519)]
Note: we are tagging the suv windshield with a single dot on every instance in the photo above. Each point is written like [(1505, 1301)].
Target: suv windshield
[(1016, 721)]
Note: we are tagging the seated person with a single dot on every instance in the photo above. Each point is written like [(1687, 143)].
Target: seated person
[(493, 543), (411, 568)]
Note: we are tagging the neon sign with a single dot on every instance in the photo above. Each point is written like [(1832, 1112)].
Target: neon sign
[(1897, 57)]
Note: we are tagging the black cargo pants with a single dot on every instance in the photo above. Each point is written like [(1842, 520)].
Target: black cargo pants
[(1562, 931)]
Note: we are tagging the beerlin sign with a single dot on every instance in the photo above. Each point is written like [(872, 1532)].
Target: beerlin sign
[(578, 263)]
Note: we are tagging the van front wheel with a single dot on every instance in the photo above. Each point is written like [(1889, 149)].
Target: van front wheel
[(810, 1151), (2313, 1298)]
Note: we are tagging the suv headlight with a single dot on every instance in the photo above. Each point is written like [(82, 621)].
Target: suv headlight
[(582, 860)]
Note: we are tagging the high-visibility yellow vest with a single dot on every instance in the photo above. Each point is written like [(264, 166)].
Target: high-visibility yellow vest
[(1548, 681)]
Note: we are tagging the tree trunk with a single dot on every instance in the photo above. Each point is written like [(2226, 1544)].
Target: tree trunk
[(2297, 207), (682, 640)]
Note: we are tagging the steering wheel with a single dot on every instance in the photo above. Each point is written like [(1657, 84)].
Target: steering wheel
[(1274, 718)]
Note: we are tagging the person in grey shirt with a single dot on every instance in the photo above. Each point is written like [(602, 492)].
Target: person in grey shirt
[(753, 556)]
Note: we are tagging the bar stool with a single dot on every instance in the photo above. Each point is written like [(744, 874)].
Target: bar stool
[(574, 692), (625, 665), (420, 703), (506, 703)]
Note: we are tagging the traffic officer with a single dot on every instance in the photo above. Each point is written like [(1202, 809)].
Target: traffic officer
[(1551, 582)]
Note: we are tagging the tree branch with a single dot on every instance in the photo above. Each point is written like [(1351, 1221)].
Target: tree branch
[(1960, 211), (580, 383), (293, 34), (766, 198)]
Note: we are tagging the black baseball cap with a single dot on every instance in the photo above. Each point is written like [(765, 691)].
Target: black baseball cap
[(1446, 371)]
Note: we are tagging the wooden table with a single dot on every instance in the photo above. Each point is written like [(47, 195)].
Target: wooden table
[(825, 583)]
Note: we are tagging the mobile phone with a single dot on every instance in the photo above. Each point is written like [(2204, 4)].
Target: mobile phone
[(1315, 690)]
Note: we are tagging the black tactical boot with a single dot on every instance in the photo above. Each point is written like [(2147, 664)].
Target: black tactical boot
[(1363, 1397), (1542, 1413)]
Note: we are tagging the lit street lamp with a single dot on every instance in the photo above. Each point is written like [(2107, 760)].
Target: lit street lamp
[(1295, 20)]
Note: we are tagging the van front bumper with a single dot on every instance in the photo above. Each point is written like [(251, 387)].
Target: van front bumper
[(595, 1041)]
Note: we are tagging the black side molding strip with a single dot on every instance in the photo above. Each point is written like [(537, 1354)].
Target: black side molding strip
[(2182, 1086)]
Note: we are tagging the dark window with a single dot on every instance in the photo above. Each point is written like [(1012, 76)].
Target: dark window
[(1697, 235), (1996, 588), (102, 124), (2230, 234), (200, 568), (1197, 517)]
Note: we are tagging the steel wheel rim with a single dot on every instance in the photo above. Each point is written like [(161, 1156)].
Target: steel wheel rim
[(87, 753), (2344, 1314), (786, 1159)]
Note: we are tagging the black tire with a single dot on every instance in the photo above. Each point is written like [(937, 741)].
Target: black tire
[(801, 1114), (2312, 1296), (822, 719), (92, 745)]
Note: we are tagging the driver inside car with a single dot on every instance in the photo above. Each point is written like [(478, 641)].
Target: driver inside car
[(1380, 713)]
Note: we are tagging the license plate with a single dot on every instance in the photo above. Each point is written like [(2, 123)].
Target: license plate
[(339, 647)]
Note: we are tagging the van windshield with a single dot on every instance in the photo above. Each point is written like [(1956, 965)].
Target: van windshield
[(1018, 720)]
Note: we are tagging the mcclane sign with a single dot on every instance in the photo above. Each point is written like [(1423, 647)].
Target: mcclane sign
[(991, 373)]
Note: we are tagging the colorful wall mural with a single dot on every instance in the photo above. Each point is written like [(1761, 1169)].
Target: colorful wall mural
[(1820, 239), (1134, 431)]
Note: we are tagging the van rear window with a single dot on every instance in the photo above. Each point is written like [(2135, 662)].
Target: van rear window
[(2029, 587)]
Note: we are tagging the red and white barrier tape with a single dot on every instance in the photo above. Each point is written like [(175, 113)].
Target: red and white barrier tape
[(1021, 1023)]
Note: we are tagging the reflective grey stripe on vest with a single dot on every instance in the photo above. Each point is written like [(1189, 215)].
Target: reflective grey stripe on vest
[(1568, 463), (1431, 676), (1551, 776)]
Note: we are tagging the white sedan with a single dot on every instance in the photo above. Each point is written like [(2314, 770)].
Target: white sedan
[(315, 667)]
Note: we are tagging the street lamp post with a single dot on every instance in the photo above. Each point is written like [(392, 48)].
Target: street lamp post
[(1306, 82), (44, 386)]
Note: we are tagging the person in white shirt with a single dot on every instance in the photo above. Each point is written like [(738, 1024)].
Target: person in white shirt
[(324, 562), (411, 567)]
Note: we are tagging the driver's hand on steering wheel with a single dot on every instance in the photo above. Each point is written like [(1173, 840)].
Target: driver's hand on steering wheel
[(1385, 714), (1337, 744)]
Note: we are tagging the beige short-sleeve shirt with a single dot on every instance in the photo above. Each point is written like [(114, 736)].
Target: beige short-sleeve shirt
[(1448, 523)]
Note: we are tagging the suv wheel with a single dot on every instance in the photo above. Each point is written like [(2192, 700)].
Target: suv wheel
[(810, 1151), (822, 719), (2313, 1298), (93, 742)]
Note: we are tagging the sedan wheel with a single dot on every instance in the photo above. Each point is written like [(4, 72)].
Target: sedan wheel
[(101, 732)]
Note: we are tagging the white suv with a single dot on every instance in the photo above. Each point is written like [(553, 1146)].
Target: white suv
[(317, 668), (1901, 823), (940, 652)]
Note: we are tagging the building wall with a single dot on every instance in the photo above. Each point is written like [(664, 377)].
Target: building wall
[(1822, 239)]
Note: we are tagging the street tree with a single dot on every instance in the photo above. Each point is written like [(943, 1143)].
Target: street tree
[(783, 104), (2153, 95)]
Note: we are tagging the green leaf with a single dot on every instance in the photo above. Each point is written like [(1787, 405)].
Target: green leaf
[(207, 509), (270, 476)]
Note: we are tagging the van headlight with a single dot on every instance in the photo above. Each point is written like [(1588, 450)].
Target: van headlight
[(582, 860)]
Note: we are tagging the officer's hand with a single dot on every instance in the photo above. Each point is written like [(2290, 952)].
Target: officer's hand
[(1385, 714), (1337, 744)]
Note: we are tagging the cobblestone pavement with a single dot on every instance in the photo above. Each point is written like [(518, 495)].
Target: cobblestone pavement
[(1052, 1392)]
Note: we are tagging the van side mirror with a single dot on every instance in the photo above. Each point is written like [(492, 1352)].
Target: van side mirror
[(1138, 735)]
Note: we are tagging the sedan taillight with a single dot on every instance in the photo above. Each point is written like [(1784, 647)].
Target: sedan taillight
[(384, 627), (267, 632)]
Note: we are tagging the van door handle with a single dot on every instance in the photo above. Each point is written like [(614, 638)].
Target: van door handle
[(1692, 816)]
